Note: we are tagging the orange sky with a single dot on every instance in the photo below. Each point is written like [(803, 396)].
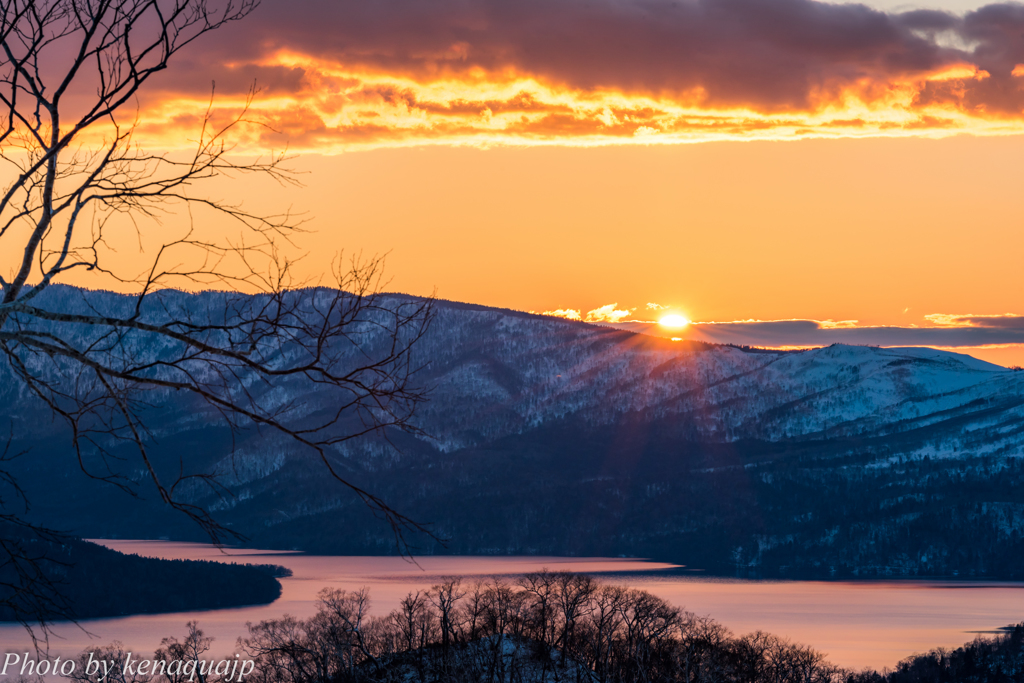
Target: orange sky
[(849, 229), (880, 231)]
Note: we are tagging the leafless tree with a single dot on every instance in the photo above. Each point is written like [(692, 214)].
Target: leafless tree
[(414, 625), (574, 595), (624, 636), (289, 651), (604, 623), (76, 183), (474, 611), (541, 589), (345, 624), (703, 650), (445, 597), (112, 668), (188, 650)]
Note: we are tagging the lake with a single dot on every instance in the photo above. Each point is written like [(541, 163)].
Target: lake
[(857, 624)]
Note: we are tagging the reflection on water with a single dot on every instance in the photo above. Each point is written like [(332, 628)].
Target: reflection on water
[(868, 624)]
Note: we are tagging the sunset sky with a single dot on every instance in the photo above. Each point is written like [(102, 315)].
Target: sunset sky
[(726, 160)]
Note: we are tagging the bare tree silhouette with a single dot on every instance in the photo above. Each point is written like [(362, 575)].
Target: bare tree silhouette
[(76, 181)]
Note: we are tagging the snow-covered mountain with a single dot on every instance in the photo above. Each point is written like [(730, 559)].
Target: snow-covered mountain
[(547, 435), (498, 372)]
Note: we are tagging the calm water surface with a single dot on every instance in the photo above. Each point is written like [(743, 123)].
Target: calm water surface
[(858, 625)]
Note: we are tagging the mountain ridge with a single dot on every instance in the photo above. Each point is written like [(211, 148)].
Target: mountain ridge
[(555, 436)]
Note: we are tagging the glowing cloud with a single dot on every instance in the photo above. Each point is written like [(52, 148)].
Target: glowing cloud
[(949, 320), (1003, 321), (567, 313), (355, 75), (607, 314)]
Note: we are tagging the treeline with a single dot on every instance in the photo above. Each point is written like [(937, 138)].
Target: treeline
[(985, 660), (104, 583), (52, 578), (541, 627), (544, 627)]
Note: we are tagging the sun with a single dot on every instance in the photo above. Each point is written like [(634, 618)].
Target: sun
[(673, 321)]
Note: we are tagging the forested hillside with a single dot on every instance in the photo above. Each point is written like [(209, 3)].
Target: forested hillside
[(73, 579), (550, 436)]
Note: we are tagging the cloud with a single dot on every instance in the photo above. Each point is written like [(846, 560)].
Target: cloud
[(947, 331), (1005, 321), (607, 314), (567, 313), (354, 74), (602, 314)]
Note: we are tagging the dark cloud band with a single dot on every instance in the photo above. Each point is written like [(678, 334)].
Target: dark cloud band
[(767, 54), (971, 331)]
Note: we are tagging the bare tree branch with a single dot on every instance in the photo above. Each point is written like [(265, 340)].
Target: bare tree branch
[(67, 70)]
